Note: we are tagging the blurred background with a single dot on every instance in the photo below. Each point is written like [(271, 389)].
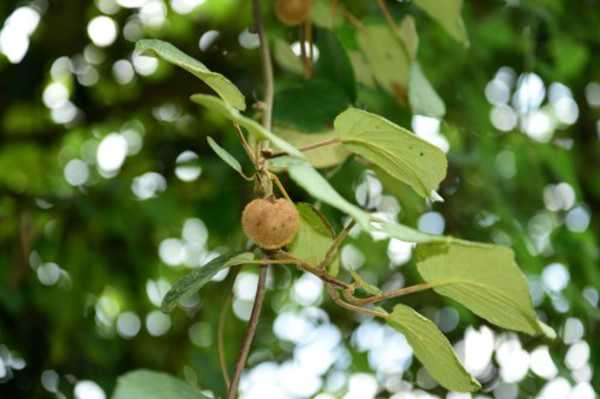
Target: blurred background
[(109, 192)]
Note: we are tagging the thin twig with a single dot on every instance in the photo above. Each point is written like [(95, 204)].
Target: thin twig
[(321, 273), (335, 296), (330, 255), (308, 147), (391, 294), (220, 339), (280, 186), (267, 66), (250, 332), (388, 17), (245, 144)]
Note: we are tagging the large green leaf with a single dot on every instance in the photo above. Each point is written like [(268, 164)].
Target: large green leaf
[(387, 58), (146, 384), (219, 83), (396, 150), (402, 232), (484, 278), (321, 157), (432, 348), (448, 14), (422, 96), (193, 281), (310, 105), (314, 238), (334, 64), (316, 185), (218, 106)]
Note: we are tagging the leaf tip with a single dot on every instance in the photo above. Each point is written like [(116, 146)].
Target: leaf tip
[(546, 330)]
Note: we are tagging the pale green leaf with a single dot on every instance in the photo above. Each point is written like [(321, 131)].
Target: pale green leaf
[(361, 283), (321, 157), (285, 57), (432, 348), (448, 14), (482, 277), (219, 83), (314, 238), (146, 384), (218, 106), (362, 70), (387, 58), (402, 232), (225, 156), (325, 14), (408, 33), (396, 150), (316, 185), (196, 279), (422, 96)]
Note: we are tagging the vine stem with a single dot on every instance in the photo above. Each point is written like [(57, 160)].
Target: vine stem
[(250, 332), (267, 121), (391, 294), (309, 147)]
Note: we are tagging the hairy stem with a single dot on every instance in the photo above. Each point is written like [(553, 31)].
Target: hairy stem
[(335, 296), (220, 339), (267, 65), (250, 332), (309, 147), (391, 294), (329, 256)]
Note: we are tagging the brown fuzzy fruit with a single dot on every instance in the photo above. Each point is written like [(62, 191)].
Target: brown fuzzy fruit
[(270, 223), (293, 12)]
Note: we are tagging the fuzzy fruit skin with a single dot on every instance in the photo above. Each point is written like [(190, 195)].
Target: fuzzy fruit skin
[(293, 12), (270, 223)]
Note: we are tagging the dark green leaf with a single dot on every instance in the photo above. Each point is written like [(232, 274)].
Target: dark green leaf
[(146, 384), (334, 64), (193, 281)]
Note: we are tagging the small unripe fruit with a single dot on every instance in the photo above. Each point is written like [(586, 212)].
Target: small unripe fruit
[(270, 223), (293, 12)]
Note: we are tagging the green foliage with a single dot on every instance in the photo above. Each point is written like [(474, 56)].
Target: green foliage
[(219, 83), (448, 14), (433, 349), (484, 278), (225, 156), (193, 281), (396, 150), (153, 385)]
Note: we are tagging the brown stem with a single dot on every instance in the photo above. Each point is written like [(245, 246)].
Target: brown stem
[(388, 17), (335, 245), (267, 65), (321, 273), (392, 294), (308, 147), (335, 296), (250, 332), (220, 339)]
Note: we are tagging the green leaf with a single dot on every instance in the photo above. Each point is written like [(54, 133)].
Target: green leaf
[(362, 70), (225, 156), (432, 348), (219, 83), (193, 281), (218, 106), (408, 33), (321, 157), (484, 278), (422, 96), (396, 150), (148, 384), (285, 57), (369, 288), (448, 14), (402, 232), (325, 15), (314, 238), (316, 185), (310, 105), (387, 58), (334, 64)]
